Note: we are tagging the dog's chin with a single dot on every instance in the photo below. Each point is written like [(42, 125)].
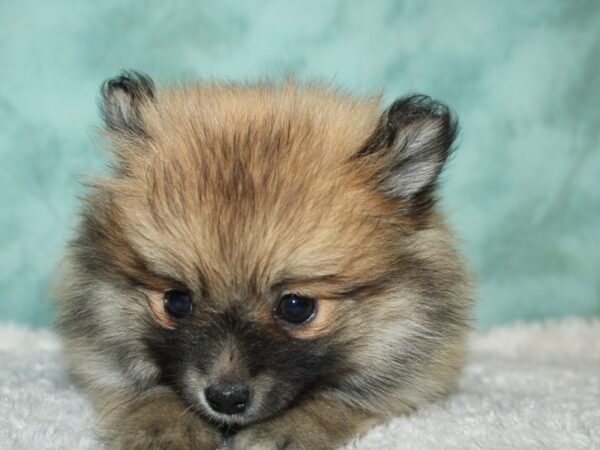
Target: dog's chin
[(201, 407), (226, 420)]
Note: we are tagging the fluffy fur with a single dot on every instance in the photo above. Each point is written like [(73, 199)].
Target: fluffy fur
[(238, 194)]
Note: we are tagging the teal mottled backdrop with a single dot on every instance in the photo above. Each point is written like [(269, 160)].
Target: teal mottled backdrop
[(523, 190)]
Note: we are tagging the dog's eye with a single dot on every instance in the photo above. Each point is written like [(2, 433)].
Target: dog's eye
[(295, 309), (178, 304)]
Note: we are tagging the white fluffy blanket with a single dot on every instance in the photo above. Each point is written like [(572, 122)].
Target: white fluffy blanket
[(526, 386)]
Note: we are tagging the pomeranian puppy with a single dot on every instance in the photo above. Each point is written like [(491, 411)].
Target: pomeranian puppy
[(264, 267)]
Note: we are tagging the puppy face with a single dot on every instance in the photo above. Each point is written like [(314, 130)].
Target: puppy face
[(256, 245)]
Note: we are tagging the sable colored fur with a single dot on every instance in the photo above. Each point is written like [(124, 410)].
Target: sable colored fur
[(234, 210)]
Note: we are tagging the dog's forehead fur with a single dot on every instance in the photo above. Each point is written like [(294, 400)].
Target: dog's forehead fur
[(251, 185)]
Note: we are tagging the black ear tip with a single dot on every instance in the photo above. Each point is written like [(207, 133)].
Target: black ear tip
[(418, 106), (136, 84), (121, 99)]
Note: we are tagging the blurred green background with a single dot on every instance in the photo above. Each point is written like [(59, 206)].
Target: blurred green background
[(523, 190)]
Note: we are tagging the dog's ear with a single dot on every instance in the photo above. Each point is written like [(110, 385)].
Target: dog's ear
[(411, 144), (121, 100)]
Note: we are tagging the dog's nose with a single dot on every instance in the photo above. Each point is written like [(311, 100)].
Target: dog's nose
[(228, 398)]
